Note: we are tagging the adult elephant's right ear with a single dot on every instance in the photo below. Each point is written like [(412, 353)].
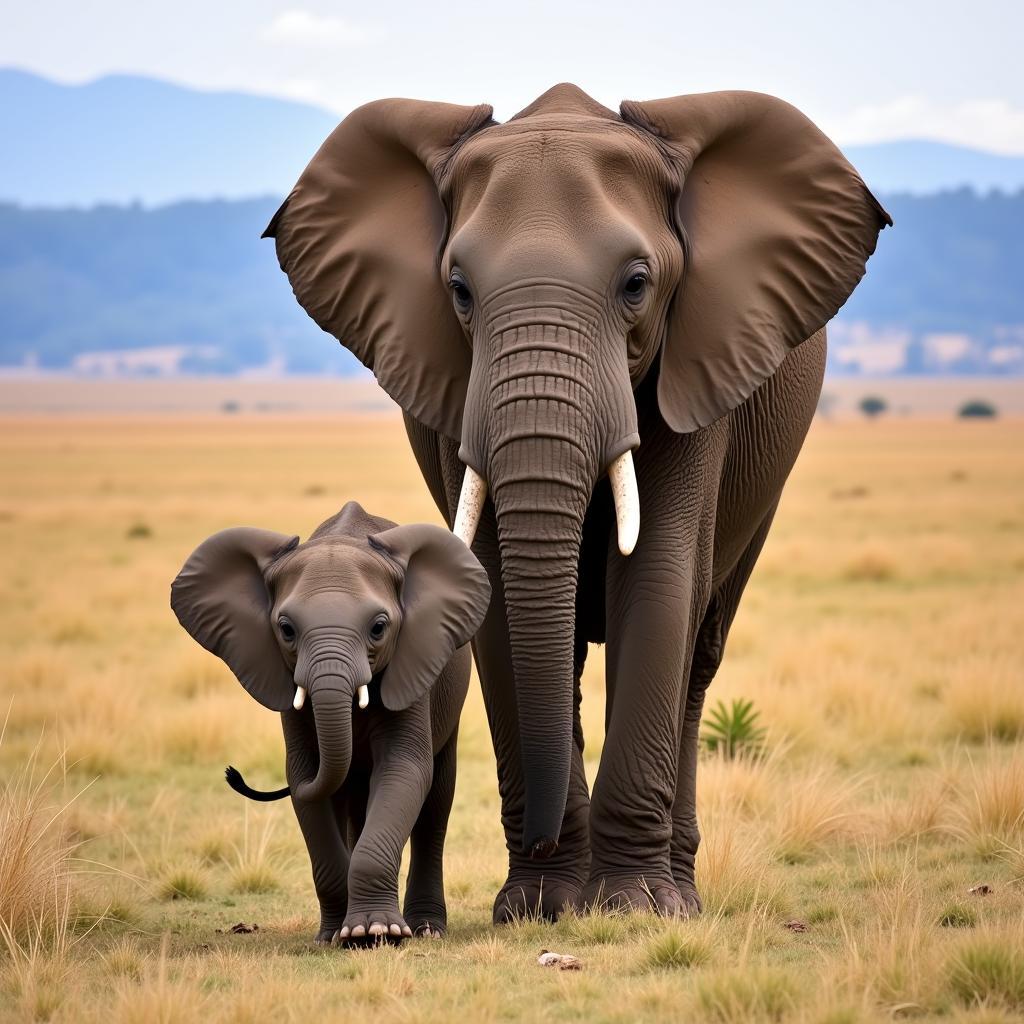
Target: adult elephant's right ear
[(221, 599), (360, 237)]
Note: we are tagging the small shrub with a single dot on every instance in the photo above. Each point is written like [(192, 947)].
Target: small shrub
[(870, 565), (734, 729), (977, 408), (679, 947), (139, 531), (956, 915), (230, 407), (873, 406), (988, 969)]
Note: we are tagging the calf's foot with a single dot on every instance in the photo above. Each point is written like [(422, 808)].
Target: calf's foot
[(372, 928)]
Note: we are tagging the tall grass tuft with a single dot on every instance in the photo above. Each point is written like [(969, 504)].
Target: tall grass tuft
[(35, 857), (37, 922)]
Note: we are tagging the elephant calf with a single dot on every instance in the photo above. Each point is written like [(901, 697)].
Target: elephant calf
[(367, 620)]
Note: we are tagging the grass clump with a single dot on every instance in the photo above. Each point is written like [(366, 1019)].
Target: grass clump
[(254, 879), (748, 993), (182, 883), (957, 915), (680, 947), (989, 969)]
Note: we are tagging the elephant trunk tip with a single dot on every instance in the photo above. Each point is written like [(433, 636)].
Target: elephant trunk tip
[(542, 849)]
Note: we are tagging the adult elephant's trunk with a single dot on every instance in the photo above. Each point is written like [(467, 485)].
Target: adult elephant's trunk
[(332, 669), (540, 517), (536, 436)]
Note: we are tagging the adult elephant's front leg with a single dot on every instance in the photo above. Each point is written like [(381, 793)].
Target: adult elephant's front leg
[(533, 887), (656, 600)]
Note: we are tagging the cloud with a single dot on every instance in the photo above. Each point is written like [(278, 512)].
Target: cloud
[(992, 124), (307, 29)]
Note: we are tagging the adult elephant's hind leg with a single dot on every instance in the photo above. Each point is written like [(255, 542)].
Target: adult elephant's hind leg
[(656, 599), (707, 656)]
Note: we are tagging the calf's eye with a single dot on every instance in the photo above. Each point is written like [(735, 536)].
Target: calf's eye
[(379, 628), (287, 630)]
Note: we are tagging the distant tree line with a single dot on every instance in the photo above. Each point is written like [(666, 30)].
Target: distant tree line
[(197, 274)]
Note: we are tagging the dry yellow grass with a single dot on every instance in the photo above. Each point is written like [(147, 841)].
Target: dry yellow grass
[(880, 639)]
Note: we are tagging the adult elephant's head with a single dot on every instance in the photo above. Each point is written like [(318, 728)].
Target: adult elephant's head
[(511, 284)]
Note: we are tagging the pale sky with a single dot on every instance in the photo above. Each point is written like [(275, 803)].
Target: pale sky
[(865, 71)]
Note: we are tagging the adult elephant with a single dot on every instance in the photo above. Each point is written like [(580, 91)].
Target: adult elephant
[(543, 298)]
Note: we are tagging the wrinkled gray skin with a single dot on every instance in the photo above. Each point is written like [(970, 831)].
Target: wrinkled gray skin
[(361, 603)]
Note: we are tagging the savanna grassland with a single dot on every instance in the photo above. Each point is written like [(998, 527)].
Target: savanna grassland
[(881, 639)]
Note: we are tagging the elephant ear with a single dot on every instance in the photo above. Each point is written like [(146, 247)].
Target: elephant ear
[(445, 593), (360, 238), (778, 228), (221, 600)]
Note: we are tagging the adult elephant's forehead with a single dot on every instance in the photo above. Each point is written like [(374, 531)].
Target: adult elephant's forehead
[(590, 158), (554, 196)]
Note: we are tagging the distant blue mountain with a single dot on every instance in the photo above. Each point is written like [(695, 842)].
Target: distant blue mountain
[(125, 138), (921, 167)]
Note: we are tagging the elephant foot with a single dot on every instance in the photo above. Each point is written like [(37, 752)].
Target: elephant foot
[(427, 921), (688, 890), (372, 928), (326, 934), (615, 893), (538, 897)]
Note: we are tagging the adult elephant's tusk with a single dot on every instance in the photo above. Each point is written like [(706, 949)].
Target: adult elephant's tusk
[(300, 698), (471, 505), (364, 697), (627, 501)]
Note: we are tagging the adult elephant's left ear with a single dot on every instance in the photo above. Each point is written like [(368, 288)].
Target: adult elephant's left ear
[(359, 238), (777, 229), (445, 593)]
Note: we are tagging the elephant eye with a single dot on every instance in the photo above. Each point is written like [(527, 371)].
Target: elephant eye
[(379, 627), (287, 630), (636, 287), (461, 295)]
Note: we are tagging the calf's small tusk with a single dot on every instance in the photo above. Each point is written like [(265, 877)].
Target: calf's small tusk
[(471, 504), (300, 698), (364, 697), (627, 501)]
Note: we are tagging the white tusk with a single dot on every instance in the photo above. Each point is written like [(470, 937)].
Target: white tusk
[(627, 501), (471, 504), (364, 697), (300, 698)]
